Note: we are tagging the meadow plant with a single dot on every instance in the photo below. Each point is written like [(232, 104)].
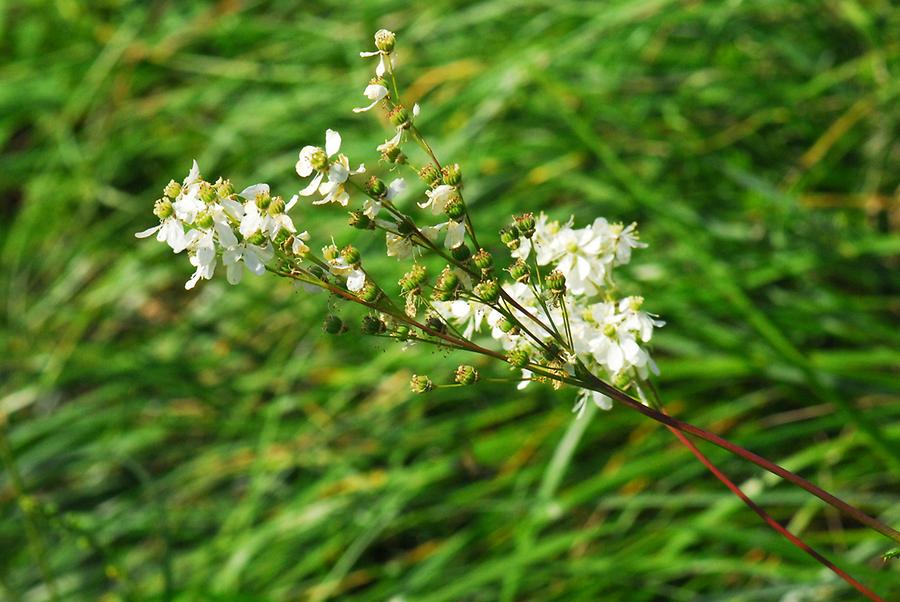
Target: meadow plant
[(548, 307)]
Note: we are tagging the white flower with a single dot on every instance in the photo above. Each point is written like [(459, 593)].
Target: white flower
[(255, 257), (305, 166), (298, 246), (625, 240), (375, 93), (203, 257), (338, 170), (171, 231), (456, 233), (438, 198), (372, 207), (384, 56)]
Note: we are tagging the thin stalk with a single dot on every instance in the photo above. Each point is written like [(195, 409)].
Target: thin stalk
[(767, 518)]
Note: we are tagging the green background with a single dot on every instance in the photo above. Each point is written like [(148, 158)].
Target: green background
[(160, 444)]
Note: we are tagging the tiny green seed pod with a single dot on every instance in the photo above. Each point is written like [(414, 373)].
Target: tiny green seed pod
[(360, 221), (393, 154), (277, 205), (351, 255), (420, 383), (461, 252), (163, 208), (372, 325), (412, 279), (430, 175), (172, 189), (466, 375), (399, 116), (447, 281), (455, 208), (518, 357), (520, 271), (452, 174), (508, 326), (334, 325), (384, 40), (488, 291), (483, 260), (369, 292), (556, 283), (510, 237), (525, 224), (376, 187)]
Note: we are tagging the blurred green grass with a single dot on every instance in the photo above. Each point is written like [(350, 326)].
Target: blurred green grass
[(214, 445)]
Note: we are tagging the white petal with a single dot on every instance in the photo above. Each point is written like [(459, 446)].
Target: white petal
[(368, 54), (250, 192), (289, 205), (456, 234), (415, 110), (332, 142), (601, 401), (380, 69), (356, 280), (395, 188), (313, 185), (193, 176), (234, 273), (253, 263), (148, 231)]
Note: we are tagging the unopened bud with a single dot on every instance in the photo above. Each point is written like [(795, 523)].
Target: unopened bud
[(510, 237), (376, 187), (384, 40), (172, 189), (372, 325), (334, 325), (351, 255), (525, 224), (488, 291), (163, 208), (466, 375), (420, 383)]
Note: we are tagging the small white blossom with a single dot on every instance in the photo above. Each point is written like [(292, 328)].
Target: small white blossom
[(438, 198), (374, 92)]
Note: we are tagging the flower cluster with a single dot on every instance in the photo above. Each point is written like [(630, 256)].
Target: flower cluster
[(552, 314)]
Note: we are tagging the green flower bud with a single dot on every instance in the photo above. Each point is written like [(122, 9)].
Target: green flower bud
[(488, 291), (258, 239), (208, 193), (172, 189), (510, 237), (334, 325), (399, 116), (466, 375), (455, 208), (163, 208), (360, 221), (384, 40), (372, 325), (420, 384), (319, 160), (452, 174), (351, 255), (556, 283), (430, 175), (520, 271), (276, 206), (369, 292), (436, 324), (263, 200), (525, 224), (447, 281), (518, 357), (483, 260), (224, 188), (461, 252), (330, 252), (376, 187)]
